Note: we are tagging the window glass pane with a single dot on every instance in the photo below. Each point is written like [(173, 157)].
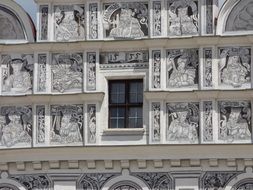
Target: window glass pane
[(135, 117), (136, 92), (117, 117), (117, 92)]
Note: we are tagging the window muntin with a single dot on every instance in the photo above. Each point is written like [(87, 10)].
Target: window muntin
[(125, 104)]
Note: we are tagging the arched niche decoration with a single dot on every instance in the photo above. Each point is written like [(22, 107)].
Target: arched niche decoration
[(6, 186), (125, 182), (243, 181), (236, 18), (16, 25)]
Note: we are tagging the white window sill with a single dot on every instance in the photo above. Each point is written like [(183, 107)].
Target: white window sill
[(137, 131)]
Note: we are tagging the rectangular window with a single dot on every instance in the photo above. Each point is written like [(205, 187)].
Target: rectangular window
[(125, 103)]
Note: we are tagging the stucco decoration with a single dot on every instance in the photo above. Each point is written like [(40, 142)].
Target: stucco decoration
[(235, 66), (182, 68), (208, 121), (234, 121), (91, 71), (93, 18), (42, 73), (94, 181), (10, 28), (34, 181), (209, 16), (67, 72), (92, 123), (69, 22), (245, 184), (216, 180), (241, 17), (126, 20), (66, 124), (40, 124), (156, 119), (182, 17), (183, 122), (156, 181), (43, 22), (17, 73), (157, 18), (156, 69), (125, 185), (208, 77), (16, 126), (119, 60)]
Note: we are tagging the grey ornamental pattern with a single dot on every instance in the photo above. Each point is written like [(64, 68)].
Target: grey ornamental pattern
[(42, 72), (156, 117), (40, 124), (44, 22), (208, 121), (156, 69)]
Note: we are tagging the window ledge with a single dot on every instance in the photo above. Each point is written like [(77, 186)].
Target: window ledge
[(137, 131)]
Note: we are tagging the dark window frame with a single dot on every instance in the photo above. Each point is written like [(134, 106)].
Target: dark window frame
[(127, 105)]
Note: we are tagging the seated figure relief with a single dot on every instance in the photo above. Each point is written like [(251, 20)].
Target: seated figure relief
[(69, 22), (183, 17), (235, 121), (126, 20), (16, 126), (17, 74), (235, 66), (67, 124), (183, 122), (182, 68), (67, 72)]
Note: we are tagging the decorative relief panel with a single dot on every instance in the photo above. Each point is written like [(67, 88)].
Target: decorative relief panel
[(183, 122), (235, 66), (42, 73), (10, 28), (94, 181), (244, 186), (92, 120), (121, 60), (209, 16), (66, 124), (208, 121), (216, 180), (17, 73), (182, 17), (208, 78), (157, 18), (5, 186), (67, 72), (241, 17), (69, 21), (40, 124), (43, 22), (156, 180), (182, 68), (234, 121), (93, 18), (156, 69), (156, 122), (16, 126), (91, 71), (34, 181), (126, 20)]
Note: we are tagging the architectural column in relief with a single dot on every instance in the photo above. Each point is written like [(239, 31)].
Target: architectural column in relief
[(92, 123), (207, 122), (40, 124), (208, 76), (156, 69), (91, 71), (156, 121), (93, 21), (44, 22), (42, 73), (157, 18)]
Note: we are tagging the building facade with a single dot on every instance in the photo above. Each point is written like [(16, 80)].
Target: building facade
[(126, 95)]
